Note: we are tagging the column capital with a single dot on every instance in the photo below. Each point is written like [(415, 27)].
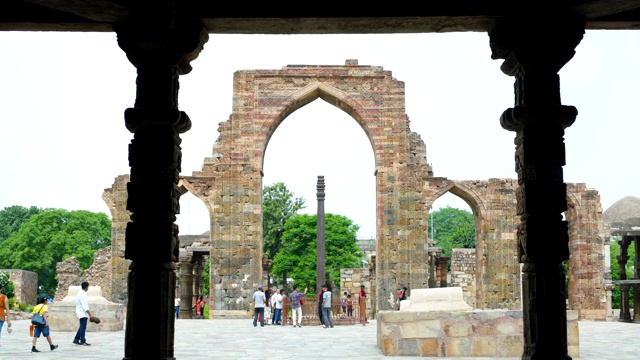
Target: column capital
[(175, 44), (531, 38)]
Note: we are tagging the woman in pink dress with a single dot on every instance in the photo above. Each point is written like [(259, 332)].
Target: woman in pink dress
[(200, 306)]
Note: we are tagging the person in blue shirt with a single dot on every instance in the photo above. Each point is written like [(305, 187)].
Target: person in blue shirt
[(296, 306)]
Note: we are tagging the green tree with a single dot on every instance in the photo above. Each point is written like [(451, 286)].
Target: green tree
[(207, 267), (12, 217), (53, 236), (278, 205), (297, 258), (615, 269), (452, 228), (7, 286)]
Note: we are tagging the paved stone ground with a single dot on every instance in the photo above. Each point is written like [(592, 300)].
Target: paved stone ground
[(238, 339)]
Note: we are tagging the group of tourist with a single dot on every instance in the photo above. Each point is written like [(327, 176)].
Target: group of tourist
[(82, 312), (269, 306), (198, 306)]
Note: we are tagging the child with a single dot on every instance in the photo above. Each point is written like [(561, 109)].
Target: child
[(41, 309), (349, 303)]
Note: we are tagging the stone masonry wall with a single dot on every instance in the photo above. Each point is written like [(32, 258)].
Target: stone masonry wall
[(493, 204), (350, 281), (460, 334), (116, 199), (230, 183), (98, 274), (586, 267), (463, 273), (26, 285)]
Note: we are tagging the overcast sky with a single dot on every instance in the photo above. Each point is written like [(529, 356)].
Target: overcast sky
[(63, 96)]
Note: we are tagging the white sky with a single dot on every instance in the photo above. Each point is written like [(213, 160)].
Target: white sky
[(63, 95)]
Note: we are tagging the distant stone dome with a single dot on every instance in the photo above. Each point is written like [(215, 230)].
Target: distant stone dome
[(623, 212)]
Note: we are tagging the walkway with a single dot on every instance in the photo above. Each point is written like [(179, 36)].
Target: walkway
[(238, 339)]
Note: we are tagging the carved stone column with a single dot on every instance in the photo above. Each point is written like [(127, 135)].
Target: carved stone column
[(186, 286), (161, 47), (535, 47)]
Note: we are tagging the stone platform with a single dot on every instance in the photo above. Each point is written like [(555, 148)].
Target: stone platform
[(475, 333), (438, 323), (435, 299), (62, 314)]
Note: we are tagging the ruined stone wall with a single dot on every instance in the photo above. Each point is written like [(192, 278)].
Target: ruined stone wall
[(116, 199), (230, 183), (230, 186), (350, 281), (586, 268), (98, 274), (493, 204), (26, 285), (463, 273)]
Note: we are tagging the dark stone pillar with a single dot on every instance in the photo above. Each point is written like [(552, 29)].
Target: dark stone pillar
[(320, 249), (160, 46), (625, 315), (535, 47)]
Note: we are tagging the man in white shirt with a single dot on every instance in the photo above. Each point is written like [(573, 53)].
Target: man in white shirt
[(278, 301), (83, 313)]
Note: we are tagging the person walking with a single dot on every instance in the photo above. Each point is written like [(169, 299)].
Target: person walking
[(83, 313), (42, 309), (259, 302), (5, 312), (296, 305), (326, 307), (279, 299), (176, 303), (362, 302)]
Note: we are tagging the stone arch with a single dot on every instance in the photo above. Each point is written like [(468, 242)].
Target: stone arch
[(312, 92), (497, 270), (231, 180)]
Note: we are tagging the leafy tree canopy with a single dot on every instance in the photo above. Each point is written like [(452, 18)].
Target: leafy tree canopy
[(278, 205), (12, 217), (452, 228), (297, 258), (53, 236)]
